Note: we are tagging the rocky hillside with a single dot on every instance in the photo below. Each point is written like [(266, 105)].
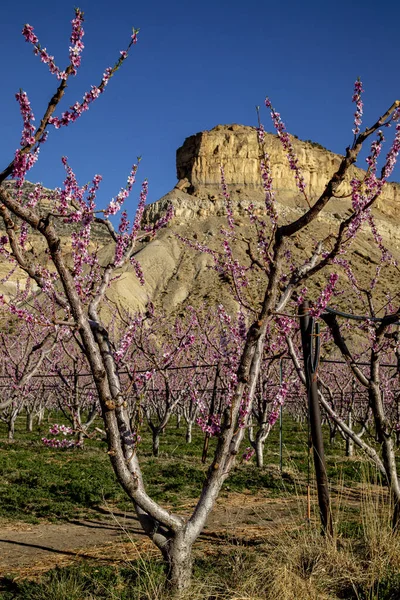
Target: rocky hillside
[(177, 275)]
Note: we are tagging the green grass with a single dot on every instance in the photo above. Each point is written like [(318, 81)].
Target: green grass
[(88, 581), (294, 569), (42, 483), (39, 482)]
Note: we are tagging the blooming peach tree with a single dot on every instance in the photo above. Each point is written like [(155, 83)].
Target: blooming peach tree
[(75, 288)]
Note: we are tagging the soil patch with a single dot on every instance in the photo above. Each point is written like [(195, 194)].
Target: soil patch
[(114, 536)]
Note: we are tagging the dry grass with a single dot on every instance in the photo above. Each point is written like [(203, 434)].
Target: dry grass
[(303, 565), (292, 563)]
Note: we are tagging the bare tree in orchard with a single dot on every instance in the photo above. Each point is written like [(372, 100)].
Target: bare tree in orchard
[(75, 288), (380, 386), (376, 419), (23, 355)]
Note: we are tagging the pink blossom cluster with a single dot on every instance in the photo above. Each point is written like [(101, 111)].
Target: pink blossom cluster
[(227, 264), (28, 132), (63, 430), (248, 453), (60, 444), (80, 242), (48, 279), (338, 260), (199, 247), (23, 162), (140, 210), (371, 183), (22, 313), (325, 296), (392, 155), (359, 200), (115, 204), (126, 240), (142, 378), (134, 36), (244, 410), (210, 424), (75, 111), (267, 181), (228, 201), (127, 339), (242, 325), (8, 256), (301, 296), (358, 90), (77, 46), (57, 429), (364, 191), (138, 270), (161, 222), (386, 255), (287, 145), (285, 324), (72, 196), (45, 57), (224, 317), (35, 196), (77, 204), (278, 402)]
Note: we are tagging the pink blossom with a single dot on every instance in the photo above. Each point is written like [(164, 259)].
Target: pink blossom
[(77, 46), (248, 454), (29, 129), (326, 294), (227, 197), (358, 90), (278, 402), (287, 145)]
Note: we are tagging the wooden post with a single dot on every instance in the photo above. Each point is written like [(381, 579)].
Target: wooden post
[(311, 358)]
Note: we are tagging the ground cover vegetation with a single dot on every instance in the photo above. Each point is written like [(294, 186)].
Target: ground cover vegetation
[(244, 559), (221, 372)]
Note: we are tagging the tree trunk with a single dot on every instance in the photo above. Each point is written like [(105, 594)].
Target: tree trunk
[(332, 436), (259, 448), (179, 564), (11, 429), (29, 421), (349, 441), (156, 442), (40, 416), (384, 436), (311, 359), (389, 460), (189, 432)]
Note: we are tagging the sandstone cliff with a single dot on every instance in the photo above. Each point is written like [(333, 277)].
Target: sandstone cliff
[(177, 275), (200, 210), (235, 146)]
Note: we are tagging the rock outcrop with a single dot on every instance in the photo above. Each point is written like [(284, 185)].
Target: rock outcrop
[(200, 210), (177, 275), (236, 147)]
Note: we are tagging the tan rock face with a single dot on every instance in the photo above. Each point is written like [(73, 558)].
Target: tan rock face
[(200, 214), (237, 149), (177, 275)]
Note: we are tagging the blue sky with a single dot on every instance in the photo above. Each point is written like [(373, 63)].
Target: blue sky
[(196, 64)]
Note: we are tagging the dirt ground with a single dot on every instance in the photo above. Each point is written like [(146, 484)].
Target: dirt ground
[(113, 536)]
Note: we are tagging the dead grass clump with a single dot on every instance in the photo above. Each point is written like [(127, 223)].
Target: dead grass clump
[(303, 565)]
